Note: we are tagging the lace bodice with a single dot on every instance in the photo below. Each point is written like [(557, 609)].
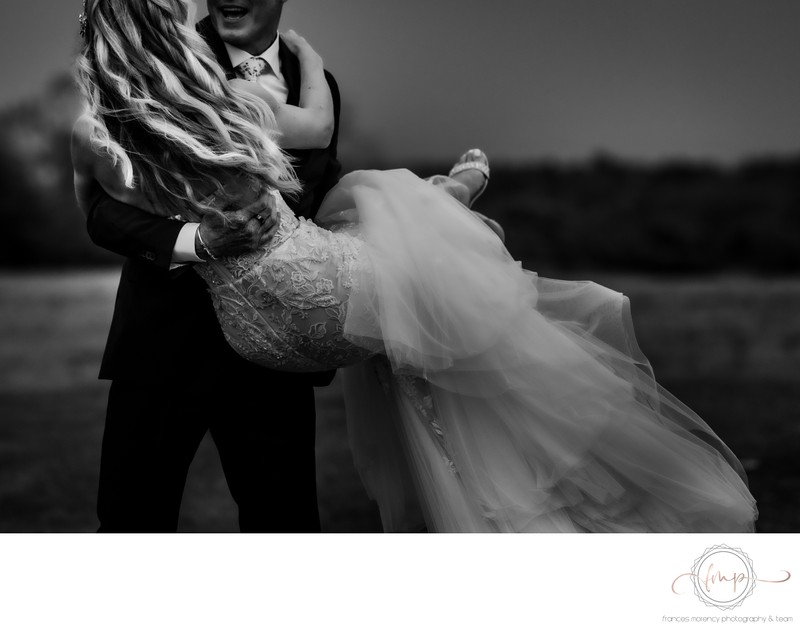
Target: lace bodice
[(285, 306)]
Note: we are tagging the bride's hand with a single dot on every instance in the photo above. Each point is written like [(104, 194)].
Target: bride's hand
[(300, 47), (239, 231)]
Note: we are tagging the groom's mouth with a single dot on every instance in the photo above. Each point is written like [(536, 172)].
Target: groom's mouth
[(232, 14)]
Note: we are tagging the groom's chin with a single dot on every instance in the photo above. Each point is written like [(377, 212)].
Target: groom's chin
[(233, 36), (236, 29), (241, 33)]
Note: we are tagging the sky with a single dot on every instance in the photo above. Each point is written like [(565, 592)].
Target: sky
[(522, 79)]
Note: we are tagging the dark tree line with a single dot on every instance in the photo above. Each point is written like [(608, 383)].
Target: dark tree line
[(41, 223), (605, 213), (677, 217)]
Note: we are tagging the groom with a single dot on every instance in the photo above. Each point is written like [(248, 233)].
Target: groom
[(173, 376)]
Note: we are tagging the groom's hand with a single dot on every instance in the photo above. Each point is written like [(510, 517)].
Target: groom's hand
[(239, 232)]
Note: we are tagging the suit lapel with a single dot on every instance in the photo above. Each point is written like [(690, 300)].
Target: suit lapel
[(290, 69)]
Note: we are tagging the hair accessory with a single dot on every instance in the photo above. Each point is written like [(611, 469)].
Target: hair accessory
[(83, 21)]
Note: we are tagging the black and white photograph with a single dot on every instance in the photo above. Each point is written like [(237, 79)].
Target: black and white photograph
[(302, 272)]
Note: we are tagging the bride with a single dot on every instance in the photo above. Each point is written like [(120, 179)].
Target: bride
[(480, 396)]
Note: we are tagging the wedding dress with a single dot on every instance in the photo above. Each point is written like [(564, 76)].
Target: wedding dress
[(480, 397)]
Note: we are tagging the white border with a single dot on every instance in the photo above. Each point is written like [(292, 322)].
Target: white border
[(117, 582)]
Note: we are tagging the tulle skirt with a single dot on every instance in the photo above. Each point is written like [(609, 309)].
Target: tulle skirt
[(504, 401)]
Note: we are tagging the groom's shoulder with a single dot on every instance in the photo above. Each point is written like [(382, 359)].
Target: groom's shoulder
[(206, 30), (204, 26)]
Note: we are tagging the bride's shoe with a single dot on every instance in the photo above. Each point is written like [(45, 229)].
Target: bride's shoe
[(474, 160)]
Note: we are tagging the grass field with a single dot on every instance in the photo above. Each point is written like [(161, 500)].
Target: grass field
[(729, 347)]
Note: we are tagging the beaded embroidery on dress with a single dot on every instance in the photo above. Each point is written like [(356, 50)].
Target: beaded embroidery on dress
[(284, 308)]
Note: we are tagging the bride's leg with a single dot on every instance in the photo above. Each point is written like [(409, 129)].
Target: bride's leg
[(466, 182), (467, 179), (452, 187)]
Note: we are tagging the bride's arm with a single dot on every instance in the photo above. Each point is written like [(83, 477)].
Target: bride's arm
[(123, 220), (310, 124), (91, 169), (115, 226)]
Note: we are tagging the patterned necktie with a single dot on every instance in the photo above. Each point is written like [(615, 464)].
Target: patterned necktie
[(251, 69)]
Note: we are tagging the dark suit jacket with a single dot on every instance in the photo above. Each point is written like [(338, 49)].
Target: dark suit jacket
[(164, 327)]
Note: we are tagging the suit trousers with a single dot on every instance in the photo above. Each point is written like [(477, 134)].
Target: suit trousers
[(264, 431)]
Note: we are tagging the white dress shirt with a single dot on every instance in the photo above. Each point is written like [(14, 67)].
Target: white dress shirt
[(272, 80), (275, 83)]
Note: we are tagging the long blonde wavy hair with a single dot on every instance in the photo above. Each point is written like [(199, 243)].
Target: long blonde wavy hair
[(163, 111)]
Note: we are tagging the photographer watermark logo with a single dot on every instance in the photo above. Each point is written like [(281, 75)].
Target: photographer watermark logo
[(722, 577)]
